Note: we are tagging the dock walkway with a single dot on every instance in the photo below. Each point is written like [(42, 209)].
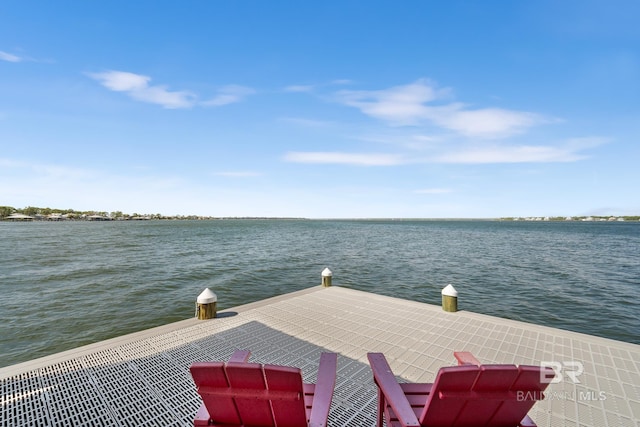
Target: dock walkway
[(142, 379)]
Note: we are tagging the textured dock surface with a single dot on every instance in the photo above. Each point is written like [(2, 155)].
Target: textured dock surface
[(143, 378)]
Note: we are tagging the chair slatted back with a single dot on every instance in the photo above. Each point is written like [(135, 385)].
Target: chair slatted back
[(212, 375), (238, 394), (287, 413), (485, 395)]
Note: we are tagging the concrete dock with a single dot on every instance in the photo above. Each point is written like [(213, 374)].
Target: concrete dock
[(142, 379)]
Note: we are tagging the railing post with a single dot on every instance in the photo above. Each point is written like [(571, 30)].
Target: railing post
[(326, 277), (206, 305)]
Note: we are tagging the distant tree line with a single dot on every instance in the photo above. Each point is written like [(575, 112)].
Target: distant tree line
[(72, 214), (5, 211), (33, 211)]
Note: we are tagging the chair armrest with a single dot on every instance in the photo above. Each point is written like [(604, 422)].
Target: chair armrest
[(466, 358), (388, 385), (325, 385), (241, 356)]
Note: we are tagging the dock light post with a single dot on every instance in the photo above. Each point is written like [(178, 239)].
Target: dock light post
[(450, 299), (206, 305), (326, 277)]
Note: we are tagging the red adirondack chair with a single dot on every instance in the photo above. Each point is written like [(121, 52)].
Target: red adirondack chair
[(239, 393), (468, 395)]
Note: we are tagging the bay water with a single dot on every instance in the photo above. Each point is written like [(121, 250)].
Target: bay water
[(66, 284)]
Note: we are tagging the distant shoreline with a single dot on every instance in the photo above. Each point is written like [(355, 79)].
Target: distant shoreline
[(25, 218), (31, 213)]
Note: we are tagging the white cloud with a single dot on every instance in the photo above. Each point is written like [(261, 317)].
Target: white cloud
[(5, 56), (571, 150), (137, 87), (359, 159), (161, 96), (399, 105), (121, 81), (483, 123), (229, 95), (413, 105)]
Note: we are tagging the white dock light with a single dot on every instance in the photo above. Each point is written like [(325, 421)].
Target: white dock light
[(450, 298), (326, 277), (206, 305)]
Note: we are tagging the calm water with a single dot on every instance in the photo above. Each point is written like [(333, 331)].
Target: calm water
[(73, 283)]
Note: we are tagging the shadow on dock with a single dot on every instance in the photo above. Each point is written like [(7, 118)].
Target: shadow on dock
[(138, 384)]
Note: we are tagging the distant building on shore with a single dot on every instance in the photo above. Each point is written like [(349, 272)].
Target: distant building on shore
[(98, 218), (19, 217)]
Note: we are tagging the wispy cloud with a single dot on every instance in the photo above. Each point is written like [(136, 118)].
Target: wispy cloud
[(309, 88), (9, 57), (511, 154), (415, 104), (359, 159), (399, 105), (138, 87), (299, 88), (229, 95), (406, 140), (572, 150), (483, 123)]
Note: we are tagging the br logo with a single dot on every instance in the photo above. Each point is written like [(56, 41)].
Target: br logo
[(571, 370)]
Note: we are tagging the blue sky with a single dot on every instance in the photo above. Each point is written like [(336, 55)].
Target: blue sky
[(350, 109)]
